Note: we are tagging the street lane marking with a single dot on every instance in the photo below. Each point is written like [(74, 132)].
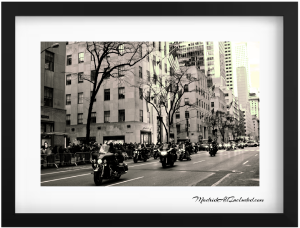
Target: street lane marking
[(65, 178), (198, 161), (124, 181), (66, 171), (245, 162), (142, 164), (218, 182)]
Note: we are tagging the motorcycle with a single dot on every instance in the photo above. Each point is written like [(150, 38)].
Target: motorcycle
[(241, 145), (184, 155), (231, 147), (167, 156), (108, 166), (155, 153), (140, 154), (213, 150)]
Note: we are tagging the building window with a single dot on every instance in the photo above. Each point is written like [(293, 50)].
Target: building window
[(141, 115), (68, 99), (107, 94), (48, 96), (177, 115), (69, 60), (212, 104), (80, 118), (148, 117), (121, 49), (49, 60), (80, 77), (93, 117), (93, 75), (154, 79), (141, 93), (68, 119), (68, 79), (148, 75), (154, 60), (47, 127), (197, 114), (122, 115), (121, 92), (121, 71), (80, 57), (166, 69), (106, 116), (91, 96), (187, 114), (140, 72), (160, 65), (141, 52), (178, 128), (186, 88), (107, 75), (186, 101), (154, 44), (80, 98)]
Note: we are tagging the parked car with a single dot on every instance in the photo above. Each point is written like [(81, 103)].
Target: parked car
[(252, 143)]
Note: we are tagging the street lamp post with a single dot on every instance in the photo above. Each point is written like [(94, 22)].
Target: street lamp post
[(55, 45)]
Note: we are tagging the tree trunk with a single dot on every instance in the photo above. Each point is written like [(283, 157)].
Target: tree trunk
[(88, 123)]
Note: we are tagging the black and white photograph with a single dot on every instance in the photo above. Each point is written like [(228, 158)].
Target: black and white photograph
[(177, 114), (150, 113)]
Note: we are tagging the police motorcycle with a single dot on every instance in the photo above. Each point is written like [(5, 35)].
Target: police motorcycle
[(140, 154), (231, 146), (240, 145), (213, 149), (183, 154), (167, 155), (108, 165), (155, 151)]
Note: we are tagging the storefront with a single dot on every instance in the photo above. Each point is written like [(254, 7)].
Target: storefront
[(54, 138), (146, 137)]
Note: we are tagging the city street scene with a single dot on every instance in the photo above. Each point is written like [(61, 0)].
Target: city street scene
[(150, 113)]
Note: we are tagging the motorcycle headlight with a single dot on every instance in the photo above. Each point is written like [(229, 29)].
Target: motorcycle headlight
[(163, 153), (99, 161)]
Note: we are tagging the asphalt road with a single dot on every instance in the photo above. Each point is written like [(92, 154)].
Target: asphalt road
[(227, 168)]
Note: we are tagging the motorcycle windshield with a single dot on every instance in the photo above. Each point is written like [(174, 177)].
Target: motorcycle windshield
[(104, 149), (165, 147)]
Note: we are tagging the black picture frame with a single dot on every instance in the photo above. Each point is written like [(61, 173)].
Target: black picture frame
[(288, 10)]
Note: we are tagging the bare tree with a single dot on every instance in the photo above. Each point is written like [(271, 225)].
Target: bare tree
[(221, 121), (165, 94), (111, 60)]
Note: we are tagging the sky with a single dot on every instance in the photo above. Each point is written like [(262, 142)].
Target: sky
[(253, 54)]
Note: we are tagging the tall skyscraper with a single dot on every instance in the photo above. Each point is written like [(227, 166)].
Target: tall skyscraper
[(241, 59), (230, 67), (208, 56), (243, 96), (254, 104)]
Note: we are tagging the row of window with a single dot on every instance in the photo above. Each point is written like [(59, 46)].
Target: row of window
[(121, 117), (121, 95), (187, 115)]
